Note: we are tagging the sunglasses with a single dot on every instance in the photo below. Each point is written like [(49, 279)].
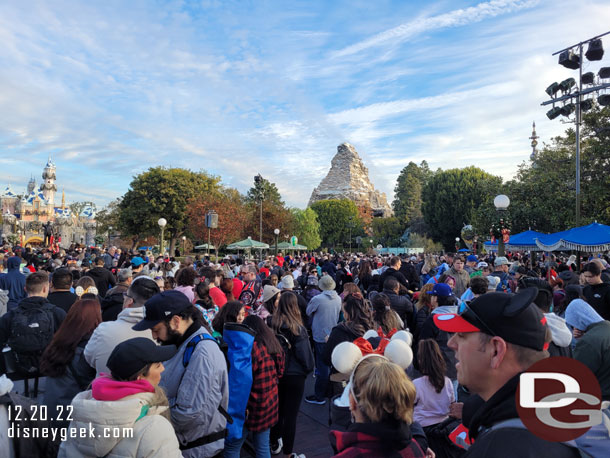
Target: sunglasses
[(464, 309)]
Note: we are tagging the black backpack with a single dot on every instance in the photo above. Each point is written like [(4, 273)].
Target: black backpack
[(31, 330)]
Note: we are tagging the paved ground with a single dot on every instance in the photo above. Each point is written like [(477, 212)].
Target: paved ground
[(312, 426)]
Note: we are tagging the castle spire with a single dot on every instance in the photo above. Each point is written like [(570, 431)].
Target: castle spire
[(534, 138), (63, 199)]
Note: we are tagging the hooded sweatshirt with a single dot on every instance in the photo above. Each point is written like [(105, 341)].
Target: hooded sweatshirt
[(14, 282), (138, 419), (561, 335), (593, 347)]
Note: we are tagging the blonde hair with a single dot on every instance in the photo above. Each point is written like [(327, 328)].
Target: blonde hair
[(424, 298), (383, 391)]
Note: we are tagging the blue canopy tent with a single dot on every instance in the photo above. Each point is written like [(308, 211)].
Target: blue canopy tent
[(591, 239), (524, 241), (491, 246)]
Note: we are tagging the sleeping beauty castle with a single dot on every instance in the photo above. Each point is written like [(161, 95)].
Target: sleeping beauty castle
[(34, 218)]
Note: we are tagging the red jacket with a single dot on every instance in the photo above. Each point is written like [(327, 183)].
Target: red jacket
[(376, 440), (262, 409)]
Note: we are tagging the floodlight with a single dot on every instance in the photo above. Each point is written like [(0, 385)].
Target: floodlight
[(553, 112), (569, 60), (596, 50), (586, 105), (567, 109), (567, 84), (552, 89), (604, 100), (588, 78), (604, 72)]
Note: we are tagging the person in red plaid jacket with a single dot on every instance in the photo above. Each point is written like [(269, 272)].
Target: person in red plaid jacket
[(381, 401), (262, 408)]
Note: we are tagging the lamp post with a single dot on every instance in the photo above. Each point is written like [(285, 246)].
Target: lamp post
[(474, 244), (276, 231), (162, 223), (258, 180), (457, 244), (184, 245), (501, 202), (351, 224), (109, 236)]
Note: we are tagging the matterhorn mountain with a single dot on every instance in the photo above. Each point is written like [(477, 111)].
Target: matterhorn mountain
[(348, 178)]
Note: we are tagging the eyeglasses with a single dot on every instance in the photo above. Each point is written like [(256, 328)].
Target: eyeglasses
[(465, 308)]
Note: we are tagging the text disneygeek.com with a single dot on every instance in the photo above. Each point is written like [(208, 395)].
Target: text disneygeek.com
[(16, 431)]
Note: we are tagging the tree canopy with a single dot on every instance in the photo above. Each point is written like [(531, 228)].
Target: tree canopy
[(306, 227), (162, 193), (336, 216), (451, 198)]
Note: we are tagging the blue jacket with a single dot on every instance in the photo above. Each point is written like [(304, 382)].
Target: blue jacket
[(14, 282)]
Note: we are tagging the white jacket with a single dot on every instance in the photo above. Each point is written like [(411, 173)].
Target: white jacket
[(111, 333), (150, 436)]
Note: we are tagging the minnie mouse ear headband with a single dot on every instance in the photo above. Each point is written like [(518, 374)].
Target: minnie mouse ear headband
[(79, 291), (346, 356)]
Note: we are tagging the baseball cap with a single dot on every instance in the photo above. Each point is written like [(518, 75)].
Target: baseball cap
[(131, 356), (442, 290), (513, 317), (270, 291), (472, 258), (501, 261), (160, 307), (482, 264), (137, 261)]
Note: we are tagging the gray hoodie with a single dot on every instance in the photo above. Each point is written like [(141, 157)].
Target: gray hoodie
[(324, 310)]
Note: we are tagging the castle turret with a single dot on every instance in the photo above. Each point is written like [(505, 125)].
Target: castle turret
[(31, 185), (49, 187)]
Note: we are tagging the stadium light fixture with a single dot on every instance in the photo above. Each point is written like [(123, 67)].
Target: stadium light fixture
[(552, 89), (553, 113), (588, 78), (586, 105), (604, 73), (567, 84), (595, 50), (604, 100), (569, 59)]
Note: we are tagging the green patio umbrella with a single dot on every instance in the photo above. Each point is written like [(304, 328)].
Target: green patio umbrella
[(204, 247), (283, 246), (247, 243)]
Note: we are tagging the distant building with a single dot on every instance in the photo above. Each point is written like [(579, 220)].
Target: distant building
[(25, 216)]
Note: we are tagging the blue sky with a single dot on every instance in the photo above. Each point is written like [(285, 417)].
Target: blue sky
[(236, 88)]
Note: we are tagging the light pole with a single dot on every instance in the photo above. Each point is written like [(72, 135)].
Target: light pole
[(501, 202), (276, 231), (184, 245), (574, 60), (109, 236), (162, 223), (351, 218), (457, 244), (258, 180)]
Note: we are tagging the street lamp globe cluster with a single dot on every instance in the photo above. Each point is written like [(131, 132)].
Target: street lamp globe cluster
[(501, 202)]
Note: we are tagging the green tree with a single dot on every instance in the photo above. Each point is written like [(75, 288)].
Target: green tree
[(388, 231), (162, 193), (543, 193), (306, 227), (77, 207), (335, 217), (451, 198), (408, 193), (420, 241)]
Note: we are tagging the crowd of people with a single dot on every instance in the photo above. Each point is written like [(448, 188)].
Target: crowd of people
[(195, 357)]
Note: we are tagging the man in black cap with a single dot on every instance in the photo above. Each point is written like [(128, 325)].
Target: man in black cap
[(195, 379), (497, 337)]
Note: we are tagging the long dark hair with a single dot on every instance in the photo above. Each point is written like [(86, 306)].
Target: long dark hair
[(82, 319), (383, 315), (227, 314), (264, 335), (202, 290), (359, 318), (364, 269), (287, 314), (432, 363)]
